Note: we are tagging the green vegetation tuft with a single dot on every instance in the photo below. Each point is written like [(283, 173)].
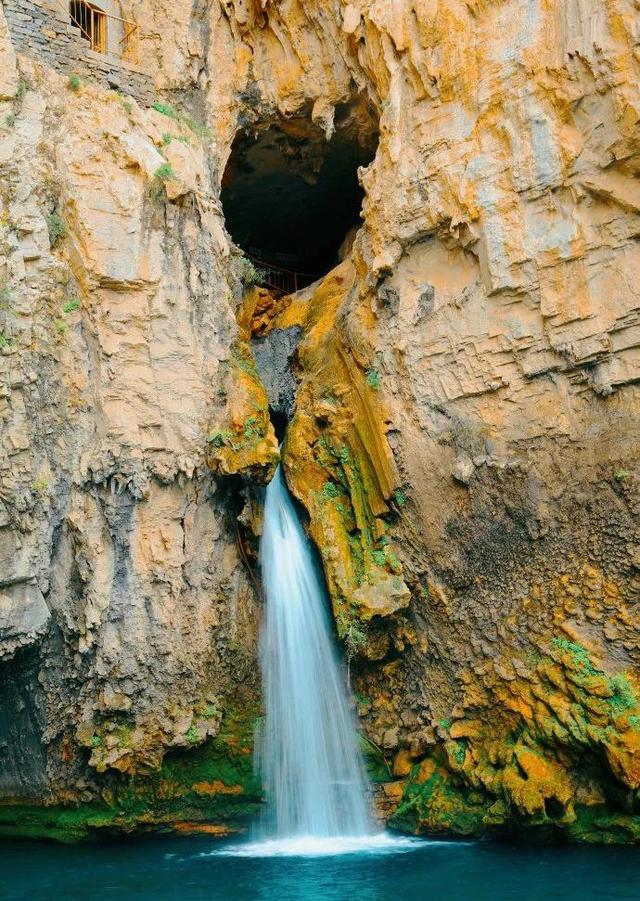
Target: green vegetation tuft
[(249, 274), (201, 131), (252, 429), (330, 491), (373, 379), (623, 697), (166, 109), (400, 497), (74, 83), (378, 770), (354, 634), (56, 226), (5, 341), (220, 438), (621, 475), (40, 487), (578, 654), (72, 304), (165, 172), (21, 90)]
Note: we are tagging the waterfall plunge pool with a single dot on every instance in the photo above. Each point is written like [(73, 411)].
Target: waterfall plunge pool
[(193, 868)]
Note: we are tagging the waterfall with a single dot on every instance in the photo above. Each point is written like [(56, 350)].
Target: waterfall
[(308, 754)]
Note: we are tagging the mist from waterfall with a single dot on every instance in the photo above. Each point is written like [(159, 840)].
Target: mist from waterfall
[(308, 755)]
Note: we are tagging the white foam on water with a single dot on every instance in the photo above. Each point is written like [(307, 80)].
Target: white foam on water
[(314, 846)]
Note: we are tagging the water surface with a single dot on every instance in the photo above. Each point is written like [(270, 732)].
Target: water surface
[(193, 868)]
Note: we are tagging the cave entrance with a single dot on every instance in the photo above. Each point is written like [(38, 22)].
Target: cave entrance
[(292, 198)]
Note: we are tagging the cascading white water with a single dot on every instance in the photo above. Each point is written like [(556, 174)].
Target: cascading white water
[(311, 768)]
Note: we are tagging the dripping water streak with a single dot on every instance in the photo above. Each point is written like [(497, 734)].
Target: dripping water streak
[(311, 767)]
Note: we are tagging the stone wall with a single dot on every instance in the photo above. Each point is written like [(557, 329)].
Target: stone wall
[(43, 32)]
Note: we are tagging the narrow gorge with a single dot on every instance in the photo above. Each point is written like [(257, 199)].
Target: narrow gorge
[(390, 246)]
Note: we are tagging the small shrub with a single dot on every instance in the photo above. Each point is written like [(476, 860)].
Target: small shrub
[(361, 699), (74, 83), (373, 379), (252, 429), (10, 120), (5, 341), (96, 741), (400, 497), (220, 438), (621, 475), (21, 90), (60, 326), (56, 226), (164, 172), (355, 638), (249, 274), (166, 139), (330, 490), (192, 735), (40, 487), (166, 109), (71, 305), (623, 697), (379, 558)]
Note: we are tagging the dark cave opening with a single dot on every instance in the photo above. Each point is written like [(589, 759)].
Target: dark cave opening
[(291, 197), (280, 421)]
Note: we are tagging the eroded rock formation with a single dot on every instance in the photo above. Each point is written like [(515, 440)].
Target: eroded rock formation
[(464, 436)]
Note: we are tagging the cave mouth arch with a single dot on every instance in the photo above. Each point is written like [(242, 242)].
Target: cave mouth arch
[(291, 197)]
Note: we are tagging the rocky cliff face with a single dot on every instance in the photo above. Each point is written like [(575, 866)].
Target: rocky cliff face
[(464, 435)]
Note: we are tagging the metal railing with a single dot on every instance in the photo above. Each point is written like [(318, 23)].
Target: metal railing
[(285, 281), (94, 26)]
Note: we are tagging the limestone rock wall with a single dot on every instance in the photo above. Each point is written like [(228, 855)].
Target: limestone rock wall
[(120, 576), (465, 436)]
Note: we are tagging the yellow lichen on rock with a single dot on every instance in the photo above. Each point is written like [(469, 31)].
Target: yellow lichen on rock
[(338, 461), (242, 441)]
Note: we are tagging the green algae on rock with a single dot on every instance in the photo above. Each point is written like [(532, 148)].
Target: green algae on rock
[(569, 765), (211, 789)]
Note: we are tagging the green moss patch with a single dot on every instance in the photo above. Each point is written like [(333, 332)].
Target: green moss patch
[(212, 785)]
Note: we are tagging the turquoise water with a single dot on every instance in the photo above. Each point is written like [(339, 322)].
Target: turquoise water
[(191, 869)]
